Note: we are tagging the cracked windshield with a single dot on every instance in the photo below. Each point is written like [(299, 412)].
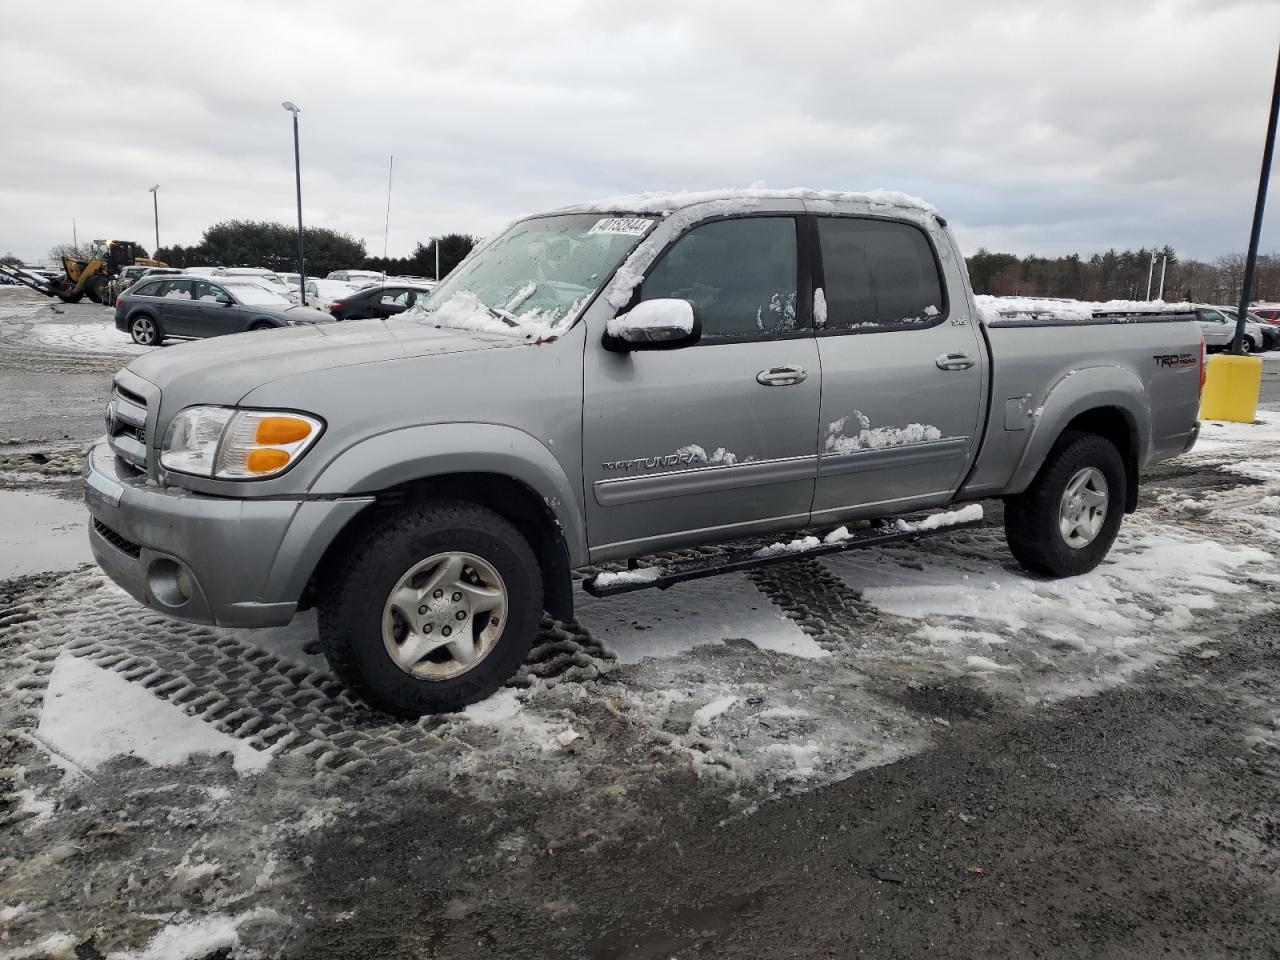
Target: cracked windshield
[(536, 276)]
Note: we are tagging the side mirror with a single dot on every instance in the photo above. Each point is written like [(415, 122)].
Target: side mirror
[(665, 324), (226, 302)]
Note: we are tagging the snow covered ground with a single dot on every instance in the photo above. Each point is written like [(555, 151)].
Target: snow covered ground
[(92, 337)]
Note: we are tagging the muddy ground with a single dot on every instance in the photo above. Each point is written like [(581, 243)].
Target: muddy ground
[(915, 752)]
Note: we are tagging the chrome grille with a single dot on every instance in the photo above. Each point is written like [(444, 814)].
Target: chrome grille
[(127, 426)]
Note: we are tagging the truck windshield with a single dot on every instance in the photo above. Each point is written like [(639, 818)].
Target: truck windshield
[(535, 278)]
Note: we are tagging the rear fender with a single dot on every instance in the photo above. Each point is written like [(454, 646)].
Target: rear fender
[(1076, 393)]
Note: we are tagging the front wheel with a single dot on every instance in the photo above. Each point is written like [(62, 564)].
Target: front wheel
[(434, 607), (1065, 522), (1247, 345)]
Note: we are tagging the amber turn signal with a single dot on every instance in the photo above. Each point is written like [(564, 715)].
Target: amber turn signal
[(282, 430), (265, 460)]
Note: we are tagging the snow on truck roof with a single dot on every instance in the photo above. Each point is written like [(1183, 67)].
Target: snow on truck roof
[(663, 203)]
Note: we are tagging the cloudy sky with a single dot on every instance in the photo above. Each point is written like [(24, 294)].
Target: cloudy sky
[(1036, 127)]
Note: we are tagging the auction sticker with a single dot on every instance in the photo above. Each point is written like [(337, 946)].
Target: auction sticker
[(625, 226)]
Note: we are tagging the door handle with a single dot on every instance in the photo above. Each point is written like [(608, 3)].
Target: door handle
[(954, 361), (781, 376)]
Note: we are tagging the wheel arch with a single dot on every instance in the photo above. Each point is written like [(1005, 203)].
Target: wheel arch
[(496, 466), (506, 496), (1107, 401)]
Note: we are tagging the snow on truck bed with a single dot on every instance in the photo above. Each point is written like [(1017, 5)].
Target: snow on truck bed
[(994, 311)]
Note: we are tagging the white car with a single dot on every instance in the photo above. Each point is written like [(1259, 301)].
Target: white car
[(359, 277), (326, 291), (1219, 329)]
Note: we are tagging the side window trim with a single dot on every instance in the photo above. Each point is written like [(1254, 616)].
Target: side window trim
[(804, 279), (944, 311)]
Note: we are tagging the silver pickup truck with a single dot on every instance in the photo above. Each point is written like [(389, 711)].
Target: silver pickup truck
[(607, 381)]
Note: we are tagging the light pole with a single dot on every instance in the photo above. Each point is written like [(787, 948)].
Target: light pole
[(297, 176), (155, 205)]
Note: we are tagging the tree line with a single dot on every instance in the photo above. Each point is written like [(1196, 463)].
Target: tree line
[(1122, 275), (247, 243)]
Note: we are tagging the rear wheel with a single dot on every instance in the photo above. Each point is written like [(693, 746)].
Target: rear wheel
[(1247, 345), (434, 607), (1065, 522), (145, 331), (97, 289)]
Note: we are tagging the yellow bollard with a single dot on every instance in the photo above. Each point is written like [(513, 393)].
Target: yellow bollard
[(1231, 388)]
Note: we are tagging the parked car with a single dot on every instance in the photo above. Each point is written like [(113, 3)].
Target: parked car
[(1218, 324), (377, 301), (154, 310), (609, 381), (356, 276), (1260, 335), (324, 292), (130, 275), (1268, 313)]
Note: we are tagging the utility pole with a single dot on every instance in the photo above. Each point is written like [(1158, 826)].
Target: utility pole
[(75, 241), (1150, 271), (387, 231), (436, 243), (297, 175), (1251, 260), (155, 203), (1164, 263)]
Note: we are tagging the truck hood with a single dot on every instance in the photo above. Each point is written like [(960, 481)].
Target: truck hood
[(224, 369)]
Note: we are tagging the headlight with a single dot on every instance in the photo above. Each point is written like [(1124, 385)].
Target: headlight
[(236, 444)]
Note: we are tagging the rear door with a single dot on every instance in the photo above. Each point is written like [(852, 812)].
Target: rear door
[(178, 313), (706, 441), (903, 366)]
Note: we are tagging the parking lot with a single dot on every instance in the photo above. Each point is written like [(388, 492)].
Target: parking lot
[(911, 751)]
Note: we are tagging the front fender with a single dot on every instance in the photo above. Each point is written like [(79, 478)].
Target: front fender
[(1077, 392), (433, 450)]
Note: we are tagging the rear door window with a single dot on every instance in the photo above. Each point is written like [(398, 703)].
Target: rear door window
[(173, 290), (877, 275), (739, 274)]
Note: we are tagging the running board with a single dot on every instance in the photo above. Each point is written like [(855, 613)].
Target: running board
[(647, 578)]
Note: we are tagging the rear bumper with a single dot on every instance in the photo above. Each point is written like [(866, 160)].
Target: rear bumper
[(215, 560)]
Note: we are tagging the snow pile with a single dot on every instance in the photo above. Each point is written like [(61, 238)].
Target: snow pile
[(91, 715), (994, 311), (970, 514), (466, 311), (650, 318), (194, 939), (868, 438), (87, 337), (819, 308), (612, 578), (693, 453), (1218, 435), (698, 613), (1062, 637), (793, 546)]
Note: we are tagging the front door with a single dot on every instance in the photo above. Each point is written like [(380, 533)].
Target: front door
[(215, 316), (704, 442), (903, 369)]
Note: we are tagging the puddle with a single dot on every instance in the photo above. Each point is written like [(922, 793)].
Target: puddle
[(40, 533)]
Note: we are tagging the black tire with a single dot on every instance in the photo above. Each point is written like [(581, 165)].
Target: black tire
[(1031, 518), (97, 289), (1247, 345), (262, 325), (71, 297), (138, 330), (354, 593)]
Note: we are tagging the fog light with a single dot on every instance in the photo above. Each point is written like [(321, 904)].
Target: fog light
[(170, 582)]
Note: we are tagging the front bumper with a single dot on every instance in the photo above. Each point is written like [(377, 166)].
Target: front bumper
[(217, 560)]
